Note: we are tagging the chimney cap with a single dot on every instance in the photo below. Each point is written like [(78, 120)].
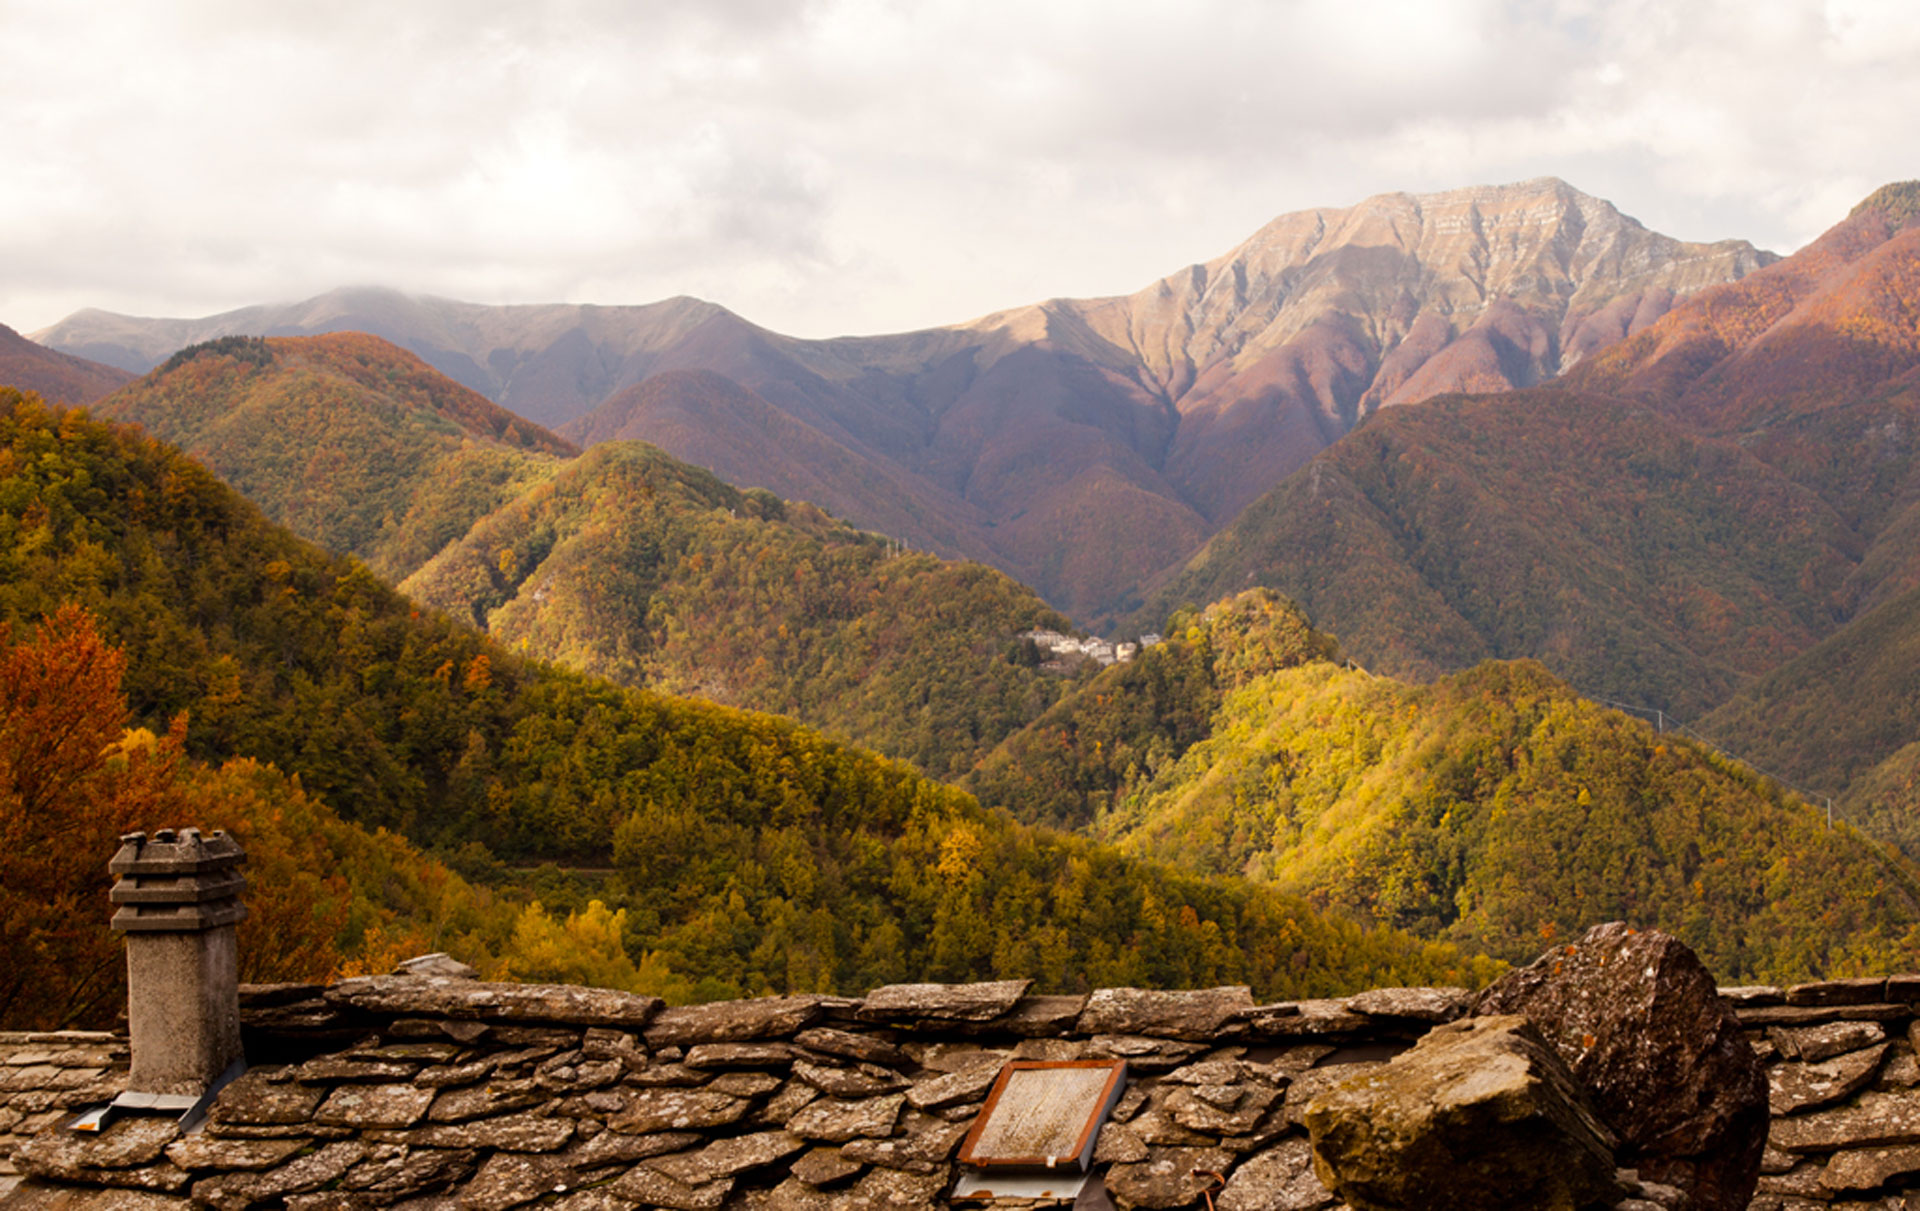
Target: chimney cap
[(181, 852)]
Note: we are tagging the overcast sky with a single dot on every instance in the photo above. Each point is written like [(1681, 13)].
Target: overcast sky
[(866, 165)]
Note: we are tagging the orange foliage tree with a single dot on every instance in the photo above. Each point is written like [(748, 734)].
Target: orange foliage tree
[(72, 780)]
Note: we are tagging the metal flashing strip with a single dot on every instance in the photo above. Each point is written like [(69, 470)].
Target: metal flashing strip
[(987, 1187), (191, 1110)]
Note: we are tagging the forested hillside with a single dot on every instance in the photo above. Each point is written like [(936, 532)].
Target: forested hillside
[(1495, 807), (1638, 560), (747, 853), (1072, 765), (640, 568), (345, 439)]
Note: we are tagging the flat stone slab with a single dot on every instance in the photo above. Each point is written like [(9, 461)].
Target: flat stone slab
[(1865, 1169), (509, 1133), (1168, 1177), (732, 1021), (652, 1188), (849, 1046), (1279, 1179), (1875, 1120), (256, 1099), (366, 1106), (211, 1152), (126, 1143), (738, 1055), (1205, 1014), (1809, 1015), (1794, 1086), (1866, 991), (1415, 1004), (911, 1003), (1313, 1019), (826, 1166), (679, 1110), (243, 1190), (728, 1157), (867, 1080), (955, 1088), (833, 1121), (477, 1000), (1816, 1043)]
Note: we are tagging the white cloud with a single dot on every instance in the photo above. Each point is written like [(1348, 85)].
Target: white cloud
[(850, 165)]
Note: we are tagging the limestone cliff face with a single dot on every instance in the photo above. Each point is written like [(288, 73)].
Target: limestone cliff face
[(1272, 351)]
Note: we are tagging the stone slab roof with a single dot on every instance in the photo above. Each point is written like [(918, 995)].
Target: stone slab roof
[(421, 1091)]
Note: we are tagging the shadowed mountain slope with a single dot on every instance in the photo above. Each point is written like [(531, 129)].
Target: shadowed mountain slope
[(56, 376), (352, 443), (1080, 445)]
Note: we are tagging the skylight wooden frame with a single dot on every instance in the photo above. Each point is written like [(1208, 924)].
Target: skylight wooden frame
[(1081, 1158)]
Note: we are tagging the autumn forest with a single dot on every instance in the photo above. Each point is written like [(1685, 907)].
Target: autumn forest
[(594, 709)]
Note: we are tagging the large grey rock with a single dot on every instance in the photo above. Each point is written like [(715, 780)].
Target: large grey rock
[(1197, 1015), (1481, 1113), (1640, 1022)]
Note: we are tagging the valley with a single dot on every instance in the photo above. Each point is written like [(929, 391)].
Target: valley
[(660, 650)]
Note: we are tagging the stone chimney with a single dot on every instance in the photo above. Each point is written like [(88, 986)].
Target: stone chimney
[(178, 894)]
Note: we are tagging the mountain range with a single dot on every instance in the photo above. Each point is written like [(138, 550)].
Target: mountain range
[(1695, 491), (1679, 514), (1051, 440)]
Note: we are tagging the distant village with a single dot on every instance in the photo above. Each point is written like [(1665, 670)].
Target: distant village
[(1066, 650)]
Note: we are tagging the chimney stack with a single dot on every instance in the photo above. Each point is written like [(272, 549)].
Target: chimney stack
[(178, 894)]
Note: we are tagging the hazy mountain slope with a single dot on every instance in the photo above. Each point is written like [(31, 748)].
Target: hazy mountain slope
[(1637, 560), (57, 376), (752, 854), (351, 442), (713, 422), (1088, 443), (635, 566)]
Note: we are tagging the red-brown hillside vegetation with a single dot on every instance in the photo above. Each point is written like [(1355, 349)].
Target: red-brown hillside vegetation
[(56, 376)]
